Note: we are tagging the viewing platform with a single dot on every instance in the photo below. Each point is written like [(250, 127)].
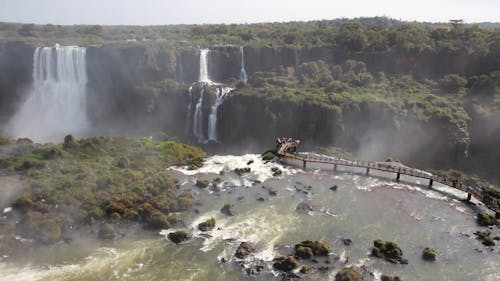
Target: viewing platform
[(287, 149)]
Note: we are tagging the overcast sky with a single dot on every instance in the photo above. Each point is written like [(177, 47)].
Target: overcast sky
[(157, 12)]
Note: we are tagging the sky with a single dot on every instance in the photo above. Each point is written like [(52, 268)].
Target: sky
[(159, 12)]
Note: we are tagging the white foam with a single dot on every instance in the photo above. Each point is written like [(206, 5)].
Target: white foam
[(260, 170)]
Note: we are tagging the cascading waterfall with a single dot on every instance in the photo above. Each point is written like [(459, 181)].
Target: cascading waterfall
[(56, 105), (212, 118), (204, 66), (197, 122), (243, 72)]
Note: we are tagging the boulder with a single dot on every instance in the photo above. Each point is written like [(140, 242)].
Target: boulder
[(306, 269), (178, 236), (389, 278), (390, 251), (304, 252), (107, 232), (318, 248), (207, 225), (227, 210), (285, 263), (334, 188), (352, 273), (304, 208), (429, 254), (244, 250)]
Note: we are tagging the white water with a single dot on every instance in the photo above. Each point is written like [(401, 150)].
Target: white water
[(197, 123), (204, 66), (188, 114), (56, 105), (212, 118), (243, 72)]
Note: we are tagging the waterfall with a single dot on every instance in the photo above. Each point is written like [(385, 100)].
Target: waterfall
[(212, 118), (197, 123), (188, 114), (243, 72), (56, 104), (297, 58), (204, 66)]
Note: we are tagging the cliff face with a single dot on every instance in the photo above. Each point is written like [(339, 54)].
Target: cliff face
[(141, 88), (16, 64)]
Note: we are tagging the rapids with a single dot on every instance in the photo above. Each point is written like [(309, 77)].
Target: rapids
[(363, 208)]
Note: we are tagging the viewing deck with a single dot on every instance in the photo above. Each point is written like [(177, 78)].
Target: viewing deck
[(287, 150)]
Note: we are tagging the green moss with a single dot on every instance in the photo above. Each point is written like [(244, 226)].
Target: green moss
[(429, 254), (304, 252), (318, 248), (349, 274), (202, 183), (485, 219), (268, 155)]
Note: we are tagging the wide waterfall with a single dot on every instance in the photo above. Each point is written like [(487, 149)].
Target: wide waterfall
[(56, 105), (243, 72), (212, 118)]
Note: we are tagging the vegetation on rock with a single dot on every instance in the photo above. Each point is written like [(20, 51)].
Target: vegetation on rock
[(429, 254), (390, 251), (349, 274), (178, 236), (97, 178), (207, 225), (485, 219), (317, 248), (202, 183), (285, 263)]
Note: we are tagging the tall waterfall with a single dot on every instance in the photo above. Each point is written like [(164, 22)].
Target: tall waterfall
[(197, 122), (56, 105), (204, 66), (212, 118), (243, 72)]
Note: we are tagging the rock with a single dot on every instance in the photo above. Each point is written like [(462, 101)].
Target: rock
[(268, 156), (389, 278), (485, 219), (272, 191), (485, 238), (226, 210), (261, 199), (289, 276), (241, 171), (24, 141), (285, 264), (202, 183), (334, 188), (178, 236), (306, 269), (429, 254), (304, 252), (304, 208), (244, 250), (318, 248), (250, 162), (352, 273), (390, 251), (107, 232), (207, 225), (347, 241)]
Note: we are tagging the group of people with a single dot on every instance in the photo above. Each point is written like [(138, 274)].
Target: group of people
[(281, 140)]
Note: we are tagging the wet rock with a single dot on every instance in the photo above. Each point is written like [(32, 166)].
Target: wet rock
[(307, 269), (223, 260), (254, 270), (207, 225), (202, 183), (485, 219), (289, 276), (261, 199), (429, 254), (271, 191), (347, 241), (107, 232), (178, 236), (250, 162), (389, 251), (485, 238), (304, 208), (334, 188), (285, 264), (318, 248), (324, 269), (24, 141), (389, 278), (227, 210), (241, 171), (352, 273), (244, 250), (304, 252)]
